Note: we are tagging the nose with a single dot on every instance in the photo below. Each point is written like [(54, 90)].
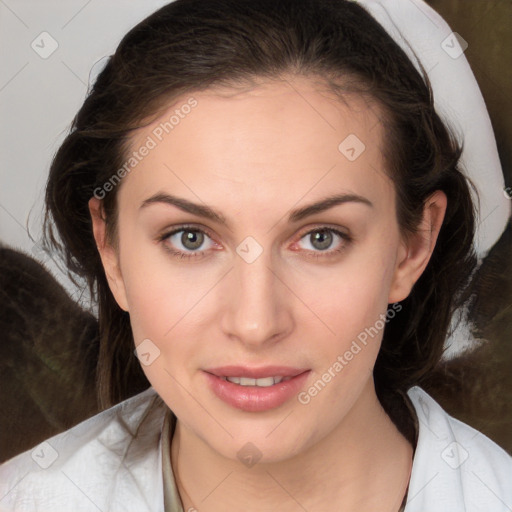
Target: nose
[(256, 309)]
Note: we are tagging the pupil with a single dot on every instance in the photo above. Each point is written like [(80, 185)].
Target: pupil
[(324, 238), (192, 239)]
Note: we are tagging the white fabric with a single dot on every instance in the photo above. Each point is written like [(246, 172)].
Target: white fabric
[(456, 468), (112, 462), (458, 101)]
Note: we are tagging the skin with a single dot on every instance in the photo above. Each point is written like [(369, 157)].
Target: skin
[(253, 155)]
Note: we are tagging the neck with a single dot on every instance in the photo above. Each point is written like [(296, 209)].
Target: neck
[(363, 464)]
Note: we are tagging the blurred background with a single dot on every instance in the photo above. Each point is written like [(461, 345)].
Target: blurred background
[(48, 343)]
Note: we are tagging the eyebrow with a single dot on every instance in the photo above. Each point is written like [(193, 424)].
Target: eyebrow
[(294, 216)]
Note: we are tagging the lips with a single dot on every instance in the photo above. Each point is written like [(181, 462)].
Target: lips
[(255, 389)]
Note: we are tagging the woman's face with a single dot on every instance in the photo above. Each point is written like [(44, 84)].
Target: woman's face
[(255, 275)]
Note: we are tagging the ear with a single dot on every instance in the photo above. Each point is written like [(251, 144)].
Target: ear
[(415, 252), (108, 254)]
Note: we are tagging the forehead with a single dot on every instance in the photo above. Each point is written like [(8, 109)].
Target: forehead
[(274, 139)]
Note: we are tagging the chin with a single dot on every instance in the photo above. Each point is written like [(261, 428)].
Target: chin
[(265, 445)]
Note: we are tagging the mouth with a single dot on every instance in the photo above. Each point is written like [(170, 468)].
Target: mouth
[(255, 389), (263, 382)]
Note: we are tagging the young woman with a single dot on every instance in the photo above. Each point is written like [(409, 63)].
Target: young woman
[(272, 214)]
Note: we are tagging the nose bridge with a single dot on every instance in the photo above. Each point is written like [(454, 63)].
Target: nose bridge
[(255, 310)]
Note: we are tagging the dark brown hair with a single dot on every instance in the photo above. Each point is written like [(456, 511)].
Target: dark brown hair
[(190, 45)]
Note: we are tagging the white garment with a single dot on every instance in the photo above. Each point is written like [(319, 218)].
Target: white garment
[(113, 462)]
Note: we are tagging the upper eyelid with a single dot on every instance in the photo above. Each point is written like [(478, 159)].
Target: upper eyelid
[(304, 231), (171, 231)]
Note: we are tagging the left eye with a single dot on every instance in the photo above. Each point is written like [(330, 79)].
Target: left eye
[(321, 239), (191, 239)]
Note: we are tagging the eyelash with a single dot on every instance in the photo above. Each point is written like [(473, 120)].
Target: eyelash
[(198, 254)]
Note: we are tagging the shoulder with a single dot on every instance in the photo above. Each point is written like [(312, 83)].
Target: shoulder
[(113, 457), (455, 468)]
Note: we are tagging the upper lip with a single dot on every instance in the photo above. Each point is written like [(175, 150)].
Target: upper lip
[(256, 373)]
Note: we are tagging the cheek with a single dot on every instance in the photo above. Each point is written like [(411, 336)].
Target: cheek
[(161, 319), (157, 291), (351, 296), (354, 306), (166, 304)]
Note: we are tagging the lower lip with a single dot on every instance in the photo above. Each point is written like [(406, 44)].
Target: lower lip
[(255, 398)]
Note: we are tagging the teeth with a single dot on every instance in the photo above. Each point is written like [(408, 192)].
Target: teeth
[(264, 382)]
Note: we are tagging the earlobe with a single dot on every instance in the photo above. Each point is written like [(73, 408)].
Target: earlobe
[(415, 252), (108, 254)]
